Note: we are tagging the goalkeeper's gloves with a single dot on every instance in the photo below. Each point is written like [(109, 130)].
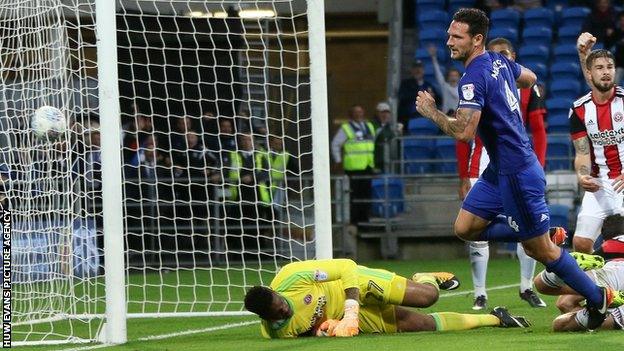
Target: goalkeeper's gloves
[(327, 328), (349, 325)]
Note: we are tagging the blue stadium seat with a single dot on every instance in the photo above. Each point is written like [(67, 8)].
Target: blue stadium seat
[(423, 6), (538, 68), (565, 70), (429, 37), (574, 16), (445, 150), (537, 36), (423, 55), (417, 155), (508, 33), (556, 5), (558, 106), (387, 195), (565, 88), (559, 215), (533, 53), (433, 20), (569, 34), (558, 153), (422, 126), (454, 5), (539, 17), (558, 123), (504, 18), (565, 53)]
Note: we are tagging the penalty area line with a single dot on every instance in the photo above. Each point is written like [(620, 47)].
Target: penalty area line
[(172, 335), (458, 293)]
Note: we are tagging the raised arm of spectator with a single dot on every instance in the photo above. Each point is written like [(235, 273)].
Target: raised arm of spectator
[(433, 52)]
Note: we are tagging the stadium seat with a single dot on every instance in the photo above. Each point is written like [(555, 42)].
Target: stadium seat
[(422, 126), (423, 6), (556, 5), (387, 195), (558, 123), (565, 70), (558, 153), (574, 16), (454, 5), (504, 18), (539, 17), (533, 53), (538, 68), (429, 37), (445, 151), (433, 20), (508, 33), (558, 106), (565, 53), (568, 34), (422, 54), (565, 88), (537, 36), (417, 155), (559, 215)]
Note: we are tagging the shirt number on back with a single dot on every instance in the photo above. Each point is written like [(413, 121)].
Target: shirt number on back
[(511, 98)]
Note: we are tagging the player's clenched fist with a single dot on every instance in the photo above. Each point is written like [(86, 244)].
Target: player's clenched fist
[(585, 42), (350, 324), (327, 328), (425, 103)]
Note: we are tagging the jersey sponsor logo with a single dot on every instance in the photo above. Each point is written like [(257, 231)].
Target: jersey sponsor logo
[(307, 299), (513, 224), (544, 217), (607, 137), (468, 91), (618, 117), (320, 276)]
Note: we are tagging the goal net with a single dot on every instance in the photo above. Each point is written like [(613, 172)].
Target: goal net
[(217, 111)]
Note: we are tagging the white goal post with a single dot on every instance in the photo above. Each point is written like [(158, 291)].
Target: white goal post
[(195, 163)]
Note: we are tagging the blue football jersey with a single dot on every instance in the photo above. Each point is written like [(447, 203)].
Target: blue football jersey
[(489, 85)]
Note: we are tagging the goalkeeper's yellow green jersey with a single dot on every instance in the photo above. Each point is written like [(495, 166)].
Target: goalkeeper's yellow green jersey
[(315, 291)]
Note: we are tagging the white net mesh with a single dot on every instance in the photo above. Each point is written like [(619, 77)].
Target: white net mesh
[(216, 152)]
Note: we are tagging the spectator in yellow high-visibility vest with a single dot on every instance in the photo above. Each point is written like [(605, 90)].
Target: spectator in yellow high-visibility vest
[(281, 168), (353, 147)]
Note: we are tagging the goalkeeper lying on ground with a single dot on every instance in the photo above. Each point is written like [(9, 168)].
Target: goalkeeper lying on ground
[(339, 298)]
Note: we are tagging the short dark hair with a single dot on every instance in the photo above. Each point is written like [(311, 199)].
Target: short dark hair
[(612, 226), (598, 54), (258, 300), (476, 20), (501, 41)]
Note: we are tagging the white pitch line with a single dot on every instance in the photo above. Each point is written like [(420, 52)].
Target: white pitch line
[(172, 335), (457, 293)]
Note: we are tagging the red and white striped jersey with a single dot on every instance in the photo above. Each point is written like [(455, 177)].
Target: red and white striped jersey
[(472, 159), (603, 124)]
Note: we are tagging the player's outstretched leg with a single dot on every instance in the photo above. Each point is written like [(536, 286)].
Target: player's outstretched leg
[(527, 270), (411, 321)]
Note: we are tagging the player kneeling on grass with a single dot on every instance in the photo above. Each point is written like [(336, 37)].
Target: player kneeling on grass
[(339, 298), (570, 303)]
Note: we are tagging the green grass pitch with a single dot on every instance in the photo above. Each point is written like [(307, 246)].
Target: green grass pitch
[(221, 334)]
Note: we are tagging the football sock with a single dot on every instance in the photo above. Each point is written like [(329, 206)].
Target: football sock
[(426, 279), (527, 269), (479, 256), (568, 270), (458, 321), (499, 230)]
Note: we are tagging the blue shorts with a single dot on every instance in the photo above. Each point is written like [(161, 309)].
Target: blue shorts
[(520, 196)]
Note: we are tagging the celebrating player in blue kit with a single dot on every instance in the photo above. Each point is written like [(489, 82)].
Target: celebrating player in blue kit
[(513, 184)]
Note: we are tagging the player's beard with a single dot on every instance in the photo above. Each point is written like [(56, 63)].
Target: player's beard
[(602, 86)]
